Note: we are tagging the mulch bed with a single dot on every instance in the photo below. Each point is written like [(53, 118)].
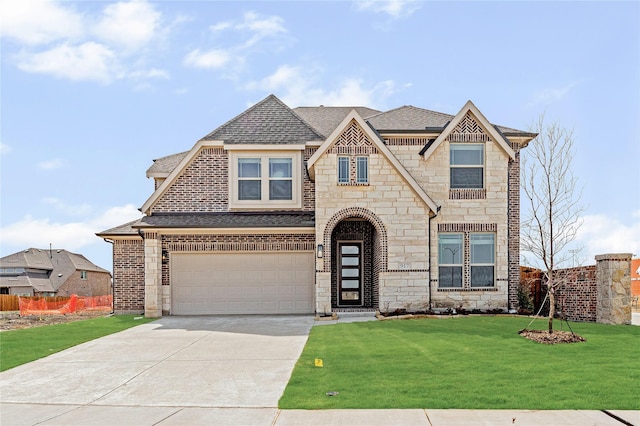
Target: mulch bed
[(543, 336)]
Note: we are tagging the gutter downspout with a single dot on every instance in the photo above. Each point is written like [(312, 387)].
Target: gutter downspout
[(429, 252), (113, 276)]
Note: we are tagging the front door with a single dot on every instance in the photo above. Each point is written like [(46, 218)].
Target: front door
[(350, 274)]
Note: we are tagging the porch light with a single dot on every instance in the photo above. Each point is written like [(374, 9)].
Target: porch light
[(165, 256), (320, 251)]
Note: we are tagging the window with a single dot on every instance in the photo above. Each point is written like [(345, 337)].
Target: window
[(264, 180), (466, 166), (450, 260), (482, 260), (83, 275), (362, 169), (343, 169), (249, 179), (466, 260), (280, 179), (347, 165)]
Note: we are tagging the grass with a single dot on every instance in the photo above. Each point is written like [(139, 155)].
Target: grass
[(18, 347), (466, 363)]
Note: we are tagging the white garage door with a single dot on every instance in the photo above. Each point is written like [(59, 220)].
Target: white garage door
[(242, 283)]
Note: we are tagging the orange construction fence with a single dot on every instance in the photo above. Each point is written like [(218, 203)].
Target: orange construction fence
[(63, 305)]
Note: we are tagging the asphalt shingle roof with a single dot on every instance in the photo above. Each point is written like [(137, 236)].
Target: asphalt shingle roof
[(166, 164), (267, 122), (228, 220), (326, 119)]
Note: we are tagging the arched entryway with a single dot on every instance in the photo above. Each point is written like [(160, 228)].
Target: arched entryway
[(357, 243)]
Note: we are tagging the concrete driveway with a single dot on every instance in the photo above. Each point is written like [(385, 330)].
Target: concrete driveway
[(170, 371)]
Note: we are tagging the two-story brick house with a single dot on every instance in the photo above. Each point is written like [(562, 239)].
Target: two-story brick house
[(325, 209)]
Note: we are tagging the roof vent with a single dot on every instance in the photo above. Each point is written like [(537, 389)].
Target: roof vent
[(26, 251), (58, 251), (59, 275)]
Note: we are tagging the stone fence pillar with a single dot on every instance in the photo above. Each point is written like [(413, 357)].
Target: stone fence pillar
[(613, 281)]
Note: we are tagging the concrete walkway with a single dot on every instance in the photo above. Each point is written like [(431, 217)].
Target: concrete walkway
[(205, 371)]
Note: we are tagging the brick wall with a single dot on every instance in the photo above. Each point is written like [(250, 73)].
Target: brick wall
[(513, 227), (128, 276), (577, 296), (96, 284), (203, 187)]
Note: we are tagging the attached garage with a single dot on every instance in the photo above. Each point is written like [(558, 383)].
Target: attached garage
[(242, 283)]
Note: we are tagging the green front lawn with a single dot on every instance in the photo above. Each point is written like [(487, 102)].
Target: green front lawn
[(18, 347), (467, 363)]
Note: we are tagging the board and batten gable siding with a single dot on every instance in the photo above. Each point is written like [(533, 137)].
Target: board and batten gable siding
[(203, 186)]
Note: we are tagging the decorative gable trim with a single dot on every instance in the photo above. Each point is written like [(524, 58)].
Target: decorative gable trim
[(470, 125), (365, 137)]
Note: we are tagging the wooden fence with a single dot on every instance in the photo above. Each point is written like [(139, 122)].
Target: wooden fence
[(9, 302)]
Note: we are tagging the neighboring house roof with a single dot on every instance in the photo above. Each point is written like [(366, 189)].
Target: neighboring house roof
[(228, 220), (55, 266), (326, 119), (269, 121)]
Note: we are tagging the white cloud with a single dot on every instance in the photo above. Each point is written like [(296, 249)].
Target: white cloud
[(393, 8), (128, 25), (88, 61), (600, 234), (4, 149), (68, 209), (33, 232), (53, 164), (213, 59), (295, 85), (59, 41), (250, 32), (551, 95), (39, 21)]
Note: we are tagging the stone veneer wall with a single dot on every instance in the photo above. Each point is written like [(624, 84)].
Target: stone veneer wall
[(128, 276), (614, 288)]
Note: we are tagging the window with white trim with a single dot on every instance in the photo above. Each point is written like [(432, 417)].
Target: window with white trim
[(470, 268), (83, 275), (353, 170), (343, 170), (450, 251), (267, 180), (362, 170), (466, 165), (482, 248)]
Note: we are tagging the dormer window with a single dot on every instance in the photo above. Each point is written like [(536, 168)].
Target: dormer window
[(466, 166), (264, 180)]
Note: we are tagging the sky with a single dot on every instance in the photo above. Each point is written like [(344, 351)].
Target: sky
[(92, 92)]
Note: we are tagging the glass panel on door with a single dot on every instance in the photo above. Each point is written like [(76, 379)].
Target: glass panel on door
[(350, 274)]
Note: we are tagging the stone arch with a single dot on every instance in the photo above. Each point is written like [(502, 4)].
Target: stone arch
[(362, 213)]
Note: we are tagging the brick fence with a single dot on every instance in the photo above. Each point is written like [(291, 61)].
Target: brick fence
[(595, 293)]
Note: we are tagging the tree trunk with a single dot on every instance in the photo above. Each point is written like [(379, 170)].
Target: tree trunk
[(552, 307)]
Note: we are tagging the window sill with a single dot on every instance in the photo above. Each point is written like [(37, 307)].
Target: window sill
[(467, 194), (466, 289)]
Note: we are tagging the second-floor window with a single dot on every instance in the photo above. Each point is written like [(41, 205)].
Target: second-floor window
[(466, 166), (264, 180), (353, 170)]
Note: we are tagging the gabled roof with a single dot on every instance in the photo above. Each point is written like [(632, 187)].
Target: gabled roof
[(124, 230), (495, 134), (57, 265), (326, 119), (269, 121), (377, 141), (161, 167)]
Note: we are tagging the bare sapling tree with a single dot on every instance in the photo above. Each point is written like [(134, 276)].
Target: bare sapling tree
[(551, 217)]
